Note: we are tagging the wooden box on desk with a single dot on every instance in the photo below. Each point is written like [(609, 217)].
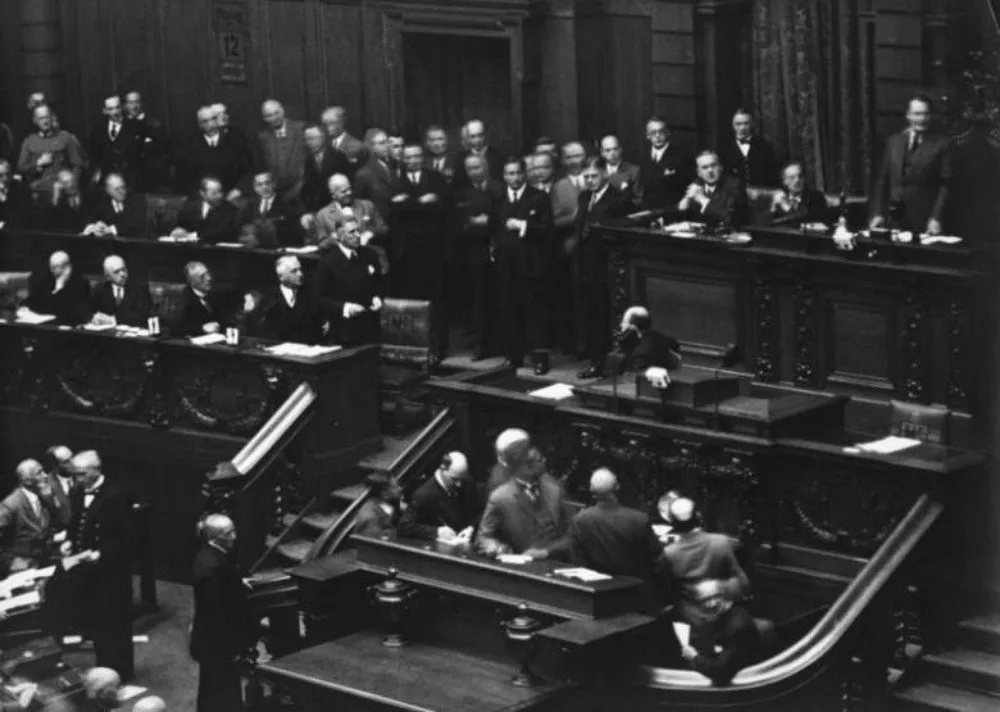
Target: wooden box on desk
[(690, 388)]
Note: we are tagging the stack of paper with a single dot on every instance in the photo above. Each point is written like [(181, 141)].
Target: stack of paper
[(557, 391), (514, 559), (192, 237), (207, 339), (887, 446), (26, 316), (25, 600), (301, 350), (585, 575)]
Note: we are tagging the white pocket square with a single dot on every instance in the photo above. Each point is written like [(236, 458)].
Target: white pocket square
[(371, 269)]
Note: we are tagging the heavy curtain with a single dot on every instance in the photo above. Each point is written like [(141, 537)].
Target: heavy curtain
[(812, 88)]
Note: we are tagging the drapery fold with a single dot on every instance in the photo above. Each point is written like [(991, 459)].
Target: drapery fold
[(812, 88)]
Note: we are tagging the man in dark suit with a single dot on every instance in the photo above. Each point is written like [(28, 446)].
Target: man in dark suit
[(521, 248), (154, 144), (623, 175), (613, 539), (797, 202), (290, 312), (696, 556), (203, 309), (14, 197), (715, 198), (218, 154), (476, 137), (98, 564), (528, 513), (379, 514), (61, 291), (600, 204), (475, 217), (445, 506), (321, 162), (375, 180), (127, 303), (273, 220), (438, 154), (56, 462), (666, 169), (913, 185), (115, 145), (349, 289), (208, 215), (118, 211), (748, 156), (334, 122), (374, 230), (28, 517), (68, 209), (223, 629), (421, 243), (281, 150)]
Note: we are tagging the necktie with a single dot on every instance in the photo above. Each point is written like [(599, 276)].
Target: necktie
[(914, 141), (265, 206), (655, 156), (531, 490), (319, 161), (593, 202), (413, 178), (119, 294), (117, 206), (291, 298), (113, 131), (36, 508), (205, 208)]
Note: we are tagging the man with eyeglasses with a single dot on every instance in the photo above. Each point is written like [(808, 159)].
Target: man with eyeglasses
[(666, 168)]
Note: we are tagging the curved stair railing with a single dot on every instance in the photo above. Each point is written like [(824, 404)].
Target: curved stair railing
[(418, 458)]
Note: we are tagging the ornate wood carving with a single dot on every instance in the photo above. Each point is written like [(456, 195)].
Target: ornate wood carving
[(766, 305), (91, 382), (224, 396), (914, 340), (621, 292), (958, 354), (806, 346)]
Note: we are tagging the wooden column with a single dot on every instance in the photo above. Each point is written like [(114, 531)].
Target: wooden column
[(677, 94), (41, 48), (550, 76)]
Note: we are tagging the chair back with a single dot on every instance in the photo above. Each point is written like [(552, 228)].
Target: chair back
[(928, 423), (406, 332)]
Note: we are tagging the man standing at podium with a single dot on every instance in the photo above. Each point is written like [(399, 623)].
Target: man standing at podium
[(349, 287), (641, 349)]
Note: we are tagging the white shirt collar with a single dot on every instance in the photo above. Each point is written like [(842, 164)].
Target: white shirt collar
[(288, 293), (33, 498), (414, 176), (387, 508), (201, 295), (440, 480), (613, 169), (348, 253), (96, 486), (515, 195), (658, 152), (599, 194)]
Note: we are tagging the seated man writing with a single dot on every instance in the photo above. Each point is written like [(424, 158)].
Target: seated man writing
[(526, 514), (444, 507)]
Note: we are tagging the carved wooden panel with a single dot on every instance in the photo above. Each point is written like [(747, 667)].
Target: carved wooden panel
[(700, 311), (860, 343)]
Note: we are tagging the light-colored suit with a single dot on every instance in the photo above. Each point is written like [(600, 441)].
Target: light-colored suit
[(284, 157), (565, 197), (24, 534), (512, 521), (626, 179)]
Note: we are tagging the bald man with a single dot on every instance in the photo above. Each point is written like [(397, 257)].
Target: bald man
[(118, 296), (27, 519), (445, 506), (101, 577), (695, 556), (281, 149), (290, 310), (343, 204), (222, 629), (612, 538), (511, 448), (118, 211), (61, 292), (114, 145), (102, 686), (641, 347), (622, 175), (150, 704), (476, 139)]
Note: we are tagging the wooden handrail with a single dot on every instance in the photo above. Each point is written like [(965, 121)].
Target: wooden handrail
[(795, 665), (403, 467)]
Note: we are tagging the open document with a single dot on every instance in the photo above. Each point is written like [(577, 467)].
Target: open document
[(582, 574), (886, 446), (301, 350), (557, 391)]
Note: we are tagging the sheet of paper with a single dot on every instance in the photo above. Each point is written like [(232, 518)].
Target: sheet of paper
[(683, 631), (940, 239), (229, 244), (887, 445), (301, 350), (127, 692), (207, 339), (31, 598), (26, 316), (513, 559), (98, 327), (557, 391), (583, 574), (308, 249)]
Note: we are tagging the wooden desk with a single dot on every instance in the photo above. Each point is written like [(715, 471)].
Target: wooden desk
[(884, 321), (533, 583), (801, 490), (163, 412), (147, 259)]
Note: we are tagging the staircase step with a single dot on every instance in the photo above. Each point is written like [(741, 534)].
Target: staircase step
[(941, 698), (346, 495), (981, 633), (294, 550), (319, 522), (970, 669)]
